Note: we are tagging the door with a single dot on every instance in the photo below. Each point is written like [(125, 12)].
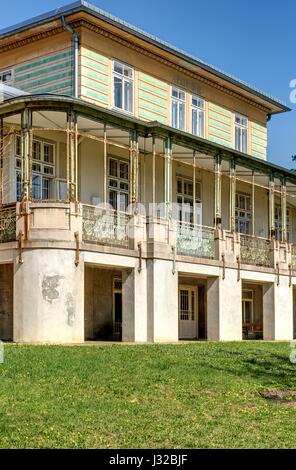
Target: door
[(188, 312), (117, 308)]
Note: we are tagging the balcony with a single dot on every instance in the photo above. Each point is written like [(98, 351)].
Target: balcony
[(255, 250), (105, 226), (195, 240), (8, 223)]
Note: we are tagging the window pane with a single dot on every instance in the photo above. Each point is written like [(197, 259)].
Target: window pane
[(123, 172), (182, 116), (112, 167), (244, 140), (118, 68), (45, 188), (201, 124), (128, 96), (18, 187), (237, 138), (118, 92), (36, 187), (128, 72), (175, 92), (36, 151), (174, 114), (194, 122), (48, 153)]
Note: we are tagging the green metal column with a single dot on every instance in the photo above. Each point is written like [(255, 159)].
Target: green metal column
[(218, 192), (284, 209), (232, 191), (134, 166), (271, 206), (72, 157), (168, 175), (26, 142)]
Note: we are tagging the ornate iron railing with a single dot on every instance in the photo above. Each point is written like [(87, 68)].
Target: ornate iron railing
[(105, 226), (195, 240), (7, 224), (255, 250), (293, 256)]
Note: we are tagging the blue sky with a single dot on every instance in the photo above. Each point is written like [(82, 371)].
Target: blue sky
[(252, 40)]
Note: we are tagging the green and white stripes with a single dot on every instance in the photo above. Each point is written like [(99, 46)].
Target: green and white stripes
[(49, 74), (258, 140), (95, 83), (219, 125), (153, 99)]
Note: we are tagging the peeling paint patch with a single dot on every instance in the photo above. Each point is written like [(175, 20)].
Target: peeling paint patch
[(50, 286), (70, 306)]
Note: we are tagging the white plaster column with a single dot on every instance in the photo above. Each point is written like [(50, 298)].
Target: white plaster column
[(224, 307), (48, 297), (278, 310), (134, 304), (162, 295)]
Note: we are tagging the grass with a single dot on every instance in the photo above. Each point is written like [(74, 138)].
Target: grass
[(198, 395)]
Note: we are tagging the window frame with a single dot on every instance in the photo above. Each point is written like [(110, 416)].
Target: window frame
[(241, 127), (238, 209), (183, 195), (5, 71), (179, 101), (124, 79), (278, 223), (119, 180), (198, 109)]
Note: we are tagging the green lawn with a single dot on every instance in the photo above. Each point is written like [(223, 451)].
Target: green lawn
[(131, 396)]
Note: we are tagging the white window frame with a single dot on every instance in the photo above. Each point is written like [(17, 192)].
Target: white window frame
[(241, 127), (178, 101), (124, 79), (187, 198), (243, 219), (118, 180), (249, 300), (6, 71), (40, 172), (199, 110), (278, 223)]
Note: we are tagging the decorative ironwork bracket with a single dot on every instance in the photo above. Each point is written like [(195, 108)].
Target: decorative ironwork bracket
[(174, 260), (277, 273), (223, 266), (20, 247), (140, 257), (77, 251), (238, 268)]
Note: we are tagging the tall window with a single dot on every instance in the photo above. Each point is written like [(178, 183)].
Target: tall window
[(123, 86), (241, 133), (278, 223), (243, 213), (185, 199), (248, 306), (178, 100), (197, 116), (43, 166), (118, 184)]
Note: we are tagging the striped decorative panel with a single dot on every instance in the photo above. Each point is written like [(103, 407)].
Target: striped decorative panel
[(153, 99), (220, 125), (48, 74), (258, 140), (95, 83)]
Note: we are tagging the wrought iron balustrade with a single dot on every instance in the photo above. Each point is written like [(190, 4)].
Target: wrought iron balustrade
[(195, 240), (293, 256), (7, 223), (255, 250), (105, 226)]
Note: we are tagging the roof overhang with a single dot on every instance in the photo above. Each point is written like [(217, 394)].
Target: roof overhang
[(82, 10), (92, 111)]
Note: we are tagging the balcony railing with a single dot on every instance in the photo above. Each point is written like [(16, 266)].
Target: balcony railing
[(195, 240), (255, 250), (105, 226), (7, 224), (293, 256)]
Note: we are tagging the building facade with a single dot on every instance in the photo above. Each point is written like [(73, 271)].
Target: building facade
[(136, 200)]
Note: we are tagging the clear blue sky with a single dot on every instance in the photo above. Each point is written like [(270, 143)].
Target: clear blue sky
[(253, 40)]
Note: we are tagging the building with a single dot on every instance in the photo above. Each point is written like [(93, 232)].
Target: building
[(136, 199)]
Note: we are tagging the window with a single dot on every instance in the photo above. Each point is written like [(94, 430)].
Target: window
[(42, 169), (247, 306), (241, 133), (178, 100), (197, 116), (187, 303), (278, 223), (118, 184), (185, 200), (123, 86), (6, 77), (243, 213)]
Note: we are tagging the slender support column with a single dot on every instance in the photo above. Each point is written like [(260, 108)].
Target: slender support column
[(72, 156), (232, 190), (153, 171), (168, 175), (253, 203), (134, 149), (217, 209), (105, 164), (194, 189), (1, 159), (271, 207), (284, 210), (26, 125)]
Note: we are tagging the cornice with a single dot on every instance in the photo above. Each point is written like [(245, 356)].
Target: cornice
[(31, 39)]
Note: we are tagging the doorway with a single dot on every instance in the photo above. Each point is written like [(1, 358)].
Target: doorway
[(188, 312)]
